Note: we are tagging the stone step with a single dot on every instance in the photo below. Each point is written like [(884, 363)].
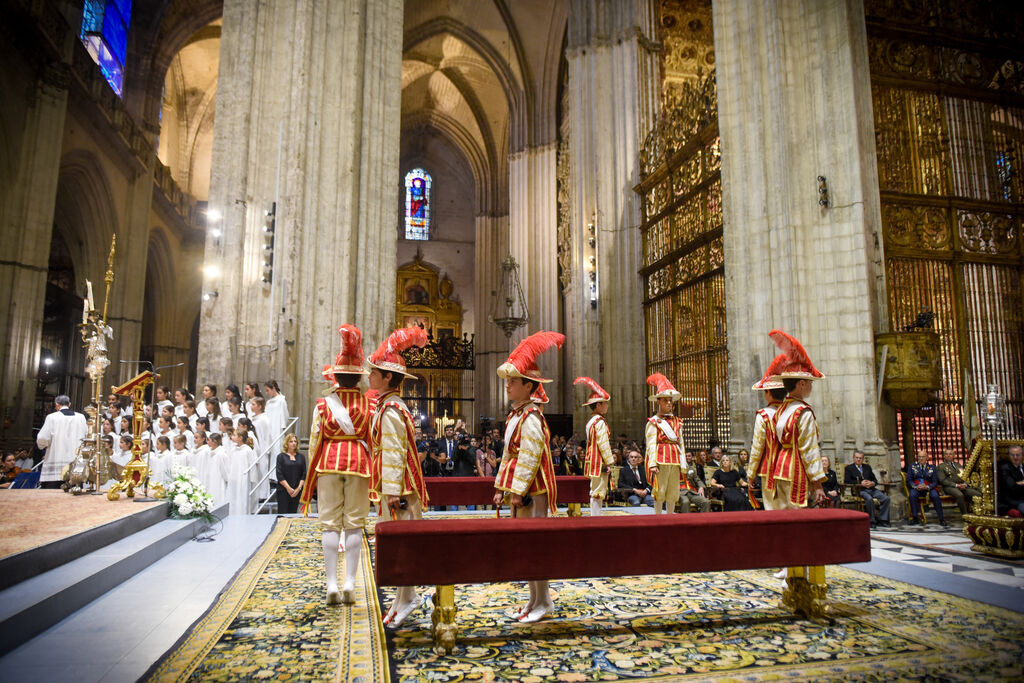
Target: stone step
[(37, 603)]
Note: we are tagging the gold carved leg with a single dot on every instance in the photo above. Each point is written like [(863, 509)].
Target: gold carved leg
[(444, 629), (574, 510), (806, 592)]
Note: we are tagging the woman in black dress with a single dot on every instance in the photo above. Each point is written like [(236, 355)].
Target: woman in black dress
[(291, 476), (733, 486)]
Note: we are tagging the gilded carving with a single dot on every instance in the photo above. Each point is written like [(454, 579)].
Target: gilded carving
[(986, 232), (921, 227), (564, 231), (687, 38)]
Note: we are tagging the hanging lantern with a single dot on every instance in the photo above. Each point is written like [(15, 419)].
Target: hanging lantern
[(510, 312)]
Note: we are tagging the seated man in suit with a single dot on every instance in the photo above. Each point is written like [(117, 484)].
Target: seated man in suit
[(1011, 483), (922, 481), (876, 503), (691, 491), (953, 484), (633, 481)]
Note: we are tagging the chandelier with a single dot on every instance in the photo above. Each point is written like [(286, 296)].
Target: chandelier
[(510, 312)]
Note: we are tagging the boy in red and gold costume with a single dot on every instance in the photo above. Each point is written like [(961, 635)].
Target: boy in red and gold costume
[(764, 447), (599, 449), (339, 464), (398, 478), (663, 438), (797, 468), (526, 475)]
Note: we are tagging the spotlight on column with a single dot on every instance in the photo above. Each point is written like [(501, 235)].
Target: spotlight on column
[(209, 296), (269, 227)]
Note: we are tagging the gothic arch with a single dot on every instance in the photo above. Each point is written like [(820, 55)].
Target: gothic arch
[(159, 319), (84, 212), (484, 179)]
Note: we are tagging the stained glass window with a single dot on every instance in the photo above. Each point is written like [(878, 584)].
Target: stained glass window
[(417, 205), (105, 35)]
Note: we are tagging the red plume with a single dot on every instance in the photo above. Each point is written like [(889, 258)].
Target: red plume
[(596, 390), (776, 366), (796, 355), (658, 380), (537, 343), (398, 341), (351, 345)]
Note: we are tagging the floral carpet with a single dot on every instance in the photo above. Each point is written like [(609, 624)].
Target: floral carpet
[(724, 626), (271, 622)]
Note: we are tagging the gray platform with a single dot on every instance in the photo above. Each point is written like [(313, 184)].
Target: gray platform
[(37, 603)]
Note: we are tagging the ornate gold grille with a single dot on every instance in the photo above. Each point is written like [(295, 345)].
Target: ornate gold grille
[(949, 125), (684, 297)]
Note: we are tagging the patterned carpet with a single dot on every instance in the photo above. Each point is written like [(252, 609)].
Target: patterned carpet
[(35, 517), (724, 626), (271, 624)]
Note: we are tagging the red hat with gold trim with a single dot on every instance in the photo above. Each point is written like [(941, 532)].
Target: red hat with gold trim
[(770, 379), (349, 360), (388, 356), (522, 362), (539, 397), (597, 394), (797, 364), (662, 387)]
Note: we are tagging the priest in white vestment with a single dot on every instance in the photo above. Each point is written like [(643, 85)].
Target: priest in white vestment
[(62, 433)]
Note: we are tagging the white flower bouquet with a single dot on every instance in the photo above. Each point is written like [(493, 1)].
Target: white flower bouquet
[(187, 496)]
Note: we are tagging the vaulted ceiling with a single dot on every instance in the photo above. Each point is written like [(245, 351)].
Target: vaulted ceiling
[(483, 73)]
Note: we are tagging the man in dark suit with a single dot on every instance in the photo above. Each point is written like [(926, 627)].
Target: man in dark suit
[(1011, 483), (633, 481), (876, 503), (447, 446)]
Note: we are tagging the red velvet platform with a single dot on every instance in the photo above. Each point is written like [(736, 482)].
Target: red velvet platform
[(480, 490), (445, 552)]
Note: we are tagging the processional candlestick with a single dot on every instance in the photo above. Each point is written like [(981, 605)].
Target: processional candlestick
[(95, 333)]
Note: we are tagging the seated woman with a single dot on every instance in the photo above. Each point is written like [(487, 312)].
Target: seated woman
[(830, 485), (733, 486)]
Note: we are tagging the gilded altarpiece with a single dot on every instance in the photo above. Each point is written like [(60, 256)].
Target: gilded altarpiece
[(442, 391), (683, 259), (949, 123)]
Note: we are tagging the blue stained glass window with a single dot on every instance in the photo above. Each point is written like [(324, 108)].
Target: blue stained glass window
[(417, 205), (105, 34)]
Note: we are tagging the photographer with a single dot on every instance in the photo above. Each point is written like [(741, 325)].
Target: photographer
[(446, 447)]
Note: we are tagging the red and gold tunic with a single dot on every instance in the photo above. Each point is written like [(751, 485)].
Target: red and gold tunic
[(764, 447), (798, 459), (396, 463), (333, 449), (526, 466), (599, 449), (663, 442)]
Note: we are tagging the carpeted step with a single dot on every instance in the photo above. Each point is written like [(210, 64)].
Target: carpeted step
[(37, 603)]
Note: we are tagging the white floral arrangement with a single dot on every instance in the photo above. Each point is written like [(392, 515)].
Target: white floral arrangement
[(188, 497)]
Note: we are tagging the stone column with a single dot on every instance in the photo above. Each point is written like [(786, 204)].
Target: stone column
[(26, 208), (307, 116), (794, 102), (490, 344), (533, 221), (611, 100)]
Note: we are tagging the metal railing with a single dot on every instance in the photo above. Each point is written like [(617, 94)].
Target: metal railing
[(270, 469)]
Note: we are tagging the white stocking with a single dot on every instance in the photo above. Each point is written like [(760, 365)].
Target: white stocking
[(353, 553), (595, 507), (330, 543)]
